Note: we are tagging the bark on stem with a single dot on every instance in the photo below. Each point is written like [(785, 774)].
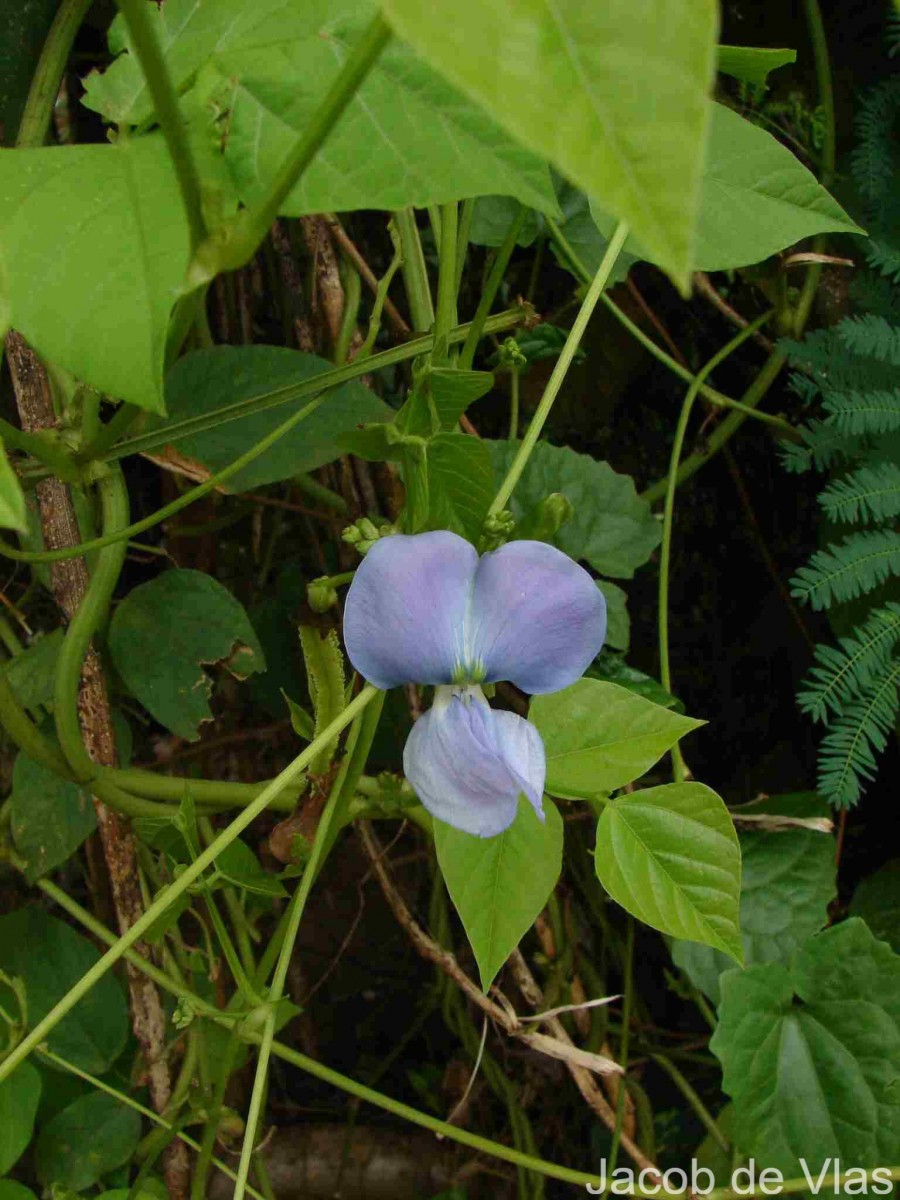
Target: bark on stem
[(69, 579)]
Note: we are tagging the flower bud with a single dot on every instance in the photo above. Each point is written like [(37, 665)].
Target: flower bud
[(549, 516), (321, 595)]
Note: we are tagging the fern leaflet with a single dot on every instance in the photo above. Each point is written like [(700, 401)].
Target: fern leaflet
[(844, 571), (843, 671), (848, 751), (867, 494)]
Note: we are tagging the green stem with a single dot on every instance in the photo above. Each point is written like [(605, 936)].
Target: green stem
[(669, 512), (211, 1128), (124, 533), (175, 430), (445, 313), (234, 246), (91, 611), (513, 403), (358, 746), (45, 446), (415, 275), (705, 1116), (146, 46), (123, 1098), (352, 297), (822, 61), (172, 789), (42, 93), (26, 735), (116, 427), (491, 288), (576, 333), (191, 872), (462, 239), (724, 431)]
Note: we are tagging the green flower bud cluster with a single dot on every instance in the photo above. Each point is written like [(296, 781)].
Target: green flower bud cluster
[(321, 594), (363, 534), (497, 529), (510, 356)]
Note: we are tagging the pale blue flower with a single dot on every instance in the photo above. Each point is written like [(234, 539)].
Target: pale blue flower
[(426, 609)]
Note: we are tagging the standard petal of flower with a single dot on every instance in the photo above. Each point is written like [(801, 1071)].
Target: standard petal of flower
[(405, 611), (538, 619), (469, 764)]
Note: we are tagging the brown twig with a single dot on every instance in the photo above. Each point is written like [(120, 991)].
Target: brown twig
[(655, 321), (366, 274), (708, 291), (70, 580)]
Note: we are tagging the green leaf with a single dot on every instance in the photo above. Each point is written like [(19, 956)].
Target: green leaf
[(13, 514), (210, 379), (95, 1134), (787, 883), (50, 958), (756, 199), (408, 137), (23, 31), (618, 623), (453, 392), (460, 483), (500, 884), (239, 865), (20, 1094), (599, 736), (614, 669), (811, 1054), (94, 252), (612, 527), (877, 901), (639, 148), (51, 816), (752, 64), (163, 633), (670, 856), (10, 1190), (31, 674)]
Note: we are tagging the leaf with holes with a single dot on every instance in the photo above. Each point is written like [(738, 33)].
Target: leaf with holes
[(670, 856), (165, 632), (500, 884), (599, 736), (811, 1053)]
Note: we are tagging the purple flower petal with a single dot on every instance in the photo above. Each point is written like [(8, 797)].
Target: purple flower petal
[(538, 619), (469, 764), (406, 609)]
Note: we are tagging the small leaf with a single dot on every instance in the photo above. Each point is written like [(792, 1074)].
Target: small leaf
[(670, 856), (454, 391), (752, 64), (239, 865), (500, 884), (301, 722), (50, 958), (51, 816), (163, 633), (612, 527), (460, 482), (614, 669), (95, 1134), (13, 514), (599, 736), (811, 1053), (639, 148), (618, 623), (20, 1094), (207, 380), (98, 233), (31, 674), (787, 883), (10, 1190)]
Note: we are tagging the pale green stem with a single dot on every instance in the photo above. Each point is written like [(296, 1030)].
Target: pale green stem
[(191, 873), (576, 333)]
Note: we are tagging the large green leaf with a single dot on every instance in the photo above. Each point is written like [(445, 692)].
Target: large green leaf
[(13, 514), (163, 633), (612, 527), (19, 1097), (50, 958), (670, 856), (787, 883), (811, 1054), (614, 94), (408, 137), (210, 379), (877, 901), (95, 1134), (11, 1190), (500, 884), (31, 674), (94, 251), (756, 199), (599, 736), (460, 484), (51, 816)]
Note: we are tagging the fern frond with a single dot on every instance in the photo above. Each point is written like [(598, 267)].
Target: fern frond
[(846, 570), (823, 445), (830, 363), (876, 295), (843, 671), (871, 335), (866, 494), (884, 256), (874, 157), (848, 752), (863, 412)]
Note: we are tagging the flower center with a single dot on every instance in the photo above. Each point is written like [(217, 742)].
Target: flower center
[(467, 673)]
